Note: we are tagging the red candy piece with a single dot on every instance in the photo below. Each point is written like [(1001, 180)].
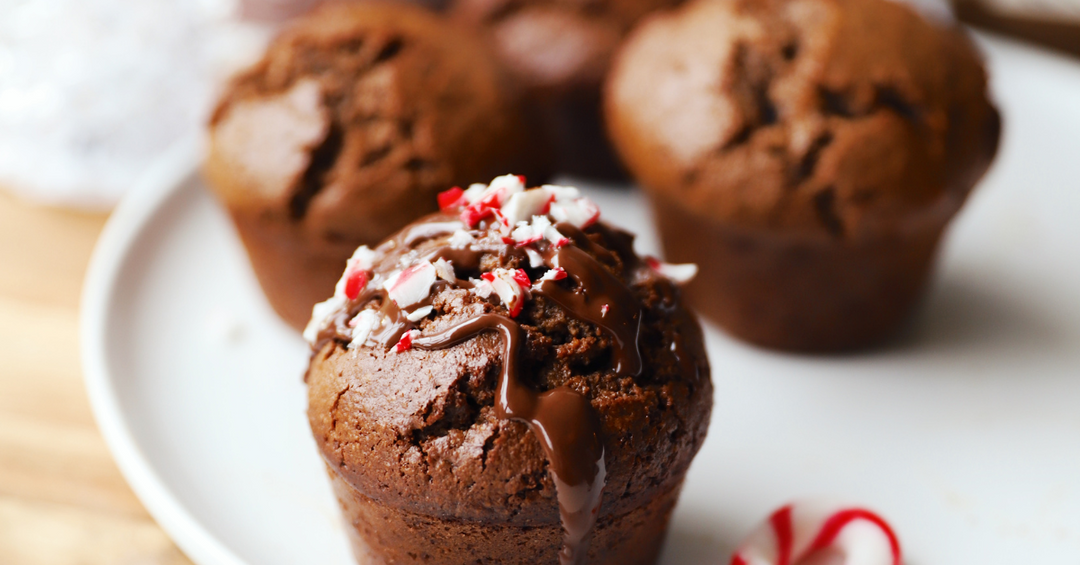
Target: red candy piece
[(473, 213), (450, 198), (547, 205), (355, 283), (405, 343), (487, 277), (524, 242), (522, 278), (560, 274)]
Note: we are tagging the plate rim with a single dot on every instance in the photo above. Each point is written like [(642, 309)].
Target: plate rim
[(169, 175)]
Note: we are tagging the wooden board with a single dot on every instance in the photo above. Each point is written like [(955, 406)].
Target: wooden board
[(62, 499)]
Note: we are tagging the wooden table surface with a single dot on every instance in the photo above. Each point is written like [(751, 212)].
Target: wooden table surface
[(62, 499)]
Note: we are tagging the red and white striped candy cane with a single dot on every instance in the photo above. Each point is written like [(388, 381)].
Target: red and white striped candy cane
[(817, 533)]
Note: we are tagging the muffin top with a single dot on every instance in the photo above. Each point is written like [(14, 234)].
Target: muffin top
[(362, 110), (556, 48), (511, 315), (837, 118)]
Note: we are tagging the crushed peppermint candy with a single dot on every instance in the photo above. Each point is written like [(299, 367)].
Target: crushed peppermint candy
[(511, 205), (445, 270), (419, 313), (536, 260), (406, 341), (510, 286), (450, 198), (411, 285), (520, 218), (527, 233), (461, 239), (681, 273), (355, 282), (320, 316), (362, 325), (524, 205), (556, 274), (482, 287), (581, 212)]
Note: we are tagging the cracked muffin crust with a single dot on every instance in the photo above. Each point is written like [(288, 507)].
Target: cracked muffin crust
[(560, 51), (807, 154), (343, 133), (430, 464)]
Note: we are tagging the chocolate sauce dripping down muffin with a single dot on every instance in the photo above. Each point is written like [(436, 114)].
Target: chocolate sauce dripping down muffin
[(355, 118), (511, 307), (806, 154), (560, 52)]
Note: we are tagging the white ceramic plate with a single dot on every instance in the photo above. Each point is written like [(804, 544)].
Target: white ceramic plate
[(965, 432)]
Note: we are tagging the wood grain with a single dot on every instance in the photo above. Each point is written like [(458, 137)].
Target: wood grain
[(62, 499)]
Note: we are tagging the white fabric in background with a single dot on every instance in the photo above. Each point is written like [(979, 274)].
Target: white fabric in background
[(92, 91)]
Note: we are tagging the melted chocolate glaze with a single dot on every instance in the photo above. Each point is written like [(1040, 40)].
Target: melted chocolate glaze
[(563, 420)]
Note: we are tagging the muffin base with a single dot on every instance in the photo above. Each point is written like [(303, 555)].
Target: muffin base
[(799, 293), (381, 534)]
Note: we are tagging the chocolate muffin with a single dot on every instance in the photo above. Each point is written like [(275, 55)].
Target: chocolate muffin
[(344, 132), (807, 154), (507, 382), (560, 52)]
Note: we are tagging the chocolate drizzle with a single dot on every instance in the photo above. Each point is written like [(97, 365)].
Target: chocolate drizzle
[(562, 419), (592, 299)]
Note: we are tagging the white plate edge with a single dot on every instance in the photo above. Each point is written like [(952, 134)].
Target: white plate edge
[(161, 181)]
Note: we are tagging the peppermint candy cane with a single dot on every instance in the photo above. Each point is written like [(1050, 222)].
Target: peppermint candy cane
[(816, 533)]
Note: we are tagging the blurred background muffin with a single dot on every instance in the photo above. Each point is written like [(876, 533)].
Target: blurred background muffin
[(355, 118), (560, 51), (807, 154)]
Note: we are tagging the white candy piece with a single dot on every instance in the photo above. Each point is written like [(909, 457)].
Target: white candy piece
[(581, 212), (562, 193), (505, 187), (475, 192), (363, 259), (536, 260), (445, 270), (508, 289), (524, 205), (680, 273), (817, 532), (461, 239), (551, 275), (482, 288), (363, 324), (411, 285), (419, 313), (320, 315)]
